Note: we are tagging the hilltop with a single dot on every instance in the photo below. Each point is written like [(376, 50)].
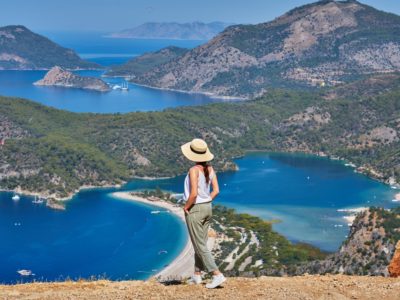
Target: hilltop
[(303, 287), (172, 30), (22, 49), (324, 43), (93, 149), (138, 66)]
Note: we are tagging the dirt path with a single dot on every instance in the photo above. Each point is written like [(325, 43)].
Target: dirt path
[(302, 287)]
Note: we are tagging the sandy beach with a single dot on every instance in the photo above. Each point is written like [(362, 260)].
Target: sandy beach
[(352, 213), (397, 198), (183, 265)]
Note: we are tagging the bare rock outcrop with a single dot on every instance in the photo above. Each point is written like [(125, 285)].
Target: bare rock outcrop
[(57, 76), (394, 267)]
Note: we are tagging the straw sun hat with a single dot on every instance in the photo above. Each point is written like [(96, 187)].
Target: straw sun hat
[(197, 151)]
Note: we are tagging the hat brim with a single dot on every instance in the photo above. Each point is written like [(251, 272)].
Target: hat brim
[(196, 157)]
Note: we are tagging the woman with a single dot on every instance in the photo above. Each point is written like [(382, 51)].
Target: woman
[(198, 209)]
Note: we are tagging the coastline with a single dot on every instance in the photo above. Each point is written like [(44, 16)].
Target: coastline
[(183, 265), (211, 95), (365, 170), (61, 199), (358, 169)]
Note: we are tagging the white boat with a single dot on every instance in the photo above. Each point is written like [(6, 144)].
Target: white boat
[(16, 197), (125, 86), (117, 87), (37, 200), (155, 211), (25, 272)]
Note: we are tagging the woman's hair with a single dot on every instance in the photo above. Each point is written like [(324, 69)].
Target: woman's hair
[(206, 170)]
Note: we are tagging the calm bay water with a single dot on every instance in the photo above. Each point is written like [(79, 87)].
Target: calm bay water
[(98, 235), (138, 98), (104, 51)]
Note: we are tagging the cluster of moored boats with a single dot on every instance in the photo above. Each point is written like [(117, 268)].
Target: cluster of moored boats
[(37, 200), (122, 87)]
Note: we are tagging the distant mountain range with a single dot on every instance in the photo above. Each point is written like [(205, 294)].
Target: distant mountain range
[(22, 49), (324, 43), (173, 30)]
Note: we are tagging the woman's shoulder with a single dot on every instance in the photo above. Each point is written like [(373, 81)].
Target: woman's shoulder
[(194, 170)]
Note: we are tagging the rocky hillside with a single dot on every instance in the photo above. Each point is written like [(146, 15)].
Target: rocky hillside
[(303, 287), (247, 246), (57, 76), (369, 248), (173, 31), (324, 43), (22, 49), (137, 66), (92, 149)]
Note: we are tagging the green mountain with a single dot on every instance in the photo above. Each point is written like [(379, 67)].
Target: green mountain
[(56, 152), (324, 43), (137, 66), (21, 49)]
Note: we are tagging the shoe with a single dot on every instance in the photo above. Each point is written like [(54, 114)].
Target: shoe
[(195, 279), (217, 281)]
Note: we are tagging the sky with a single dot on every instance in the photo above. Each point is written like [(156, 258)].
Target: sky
[(113, 15)]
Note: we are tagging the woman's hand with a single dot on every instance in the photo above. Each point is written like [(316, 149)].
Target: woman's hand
[(194, 175)]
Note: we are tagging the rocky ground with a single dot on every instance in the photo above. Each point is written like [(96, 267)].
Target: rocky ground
[(58, 76), (303, 287)]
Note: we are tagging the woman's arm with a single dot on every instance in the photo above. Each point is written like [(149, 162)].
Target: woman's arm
[(193, 175), (215, 186)]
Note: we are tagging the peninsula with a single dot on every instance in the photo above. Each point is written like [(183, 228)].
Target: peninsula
[(57, 76), (41, 145), (22, 49)]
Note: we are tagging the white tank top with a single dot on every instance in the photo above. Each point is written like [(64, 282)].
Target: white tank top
[(203, 189)]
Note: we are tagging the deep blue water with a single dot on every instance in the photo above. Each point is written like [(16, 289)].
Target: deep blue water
[(105, 51), (20, 84), (96, 235)]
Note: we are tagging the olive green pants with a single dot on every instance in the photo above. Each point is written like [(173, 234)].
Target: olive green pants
[(198, 221)]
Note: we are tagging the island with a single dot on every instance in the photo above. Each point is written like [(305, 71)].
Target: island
[(57, 76)]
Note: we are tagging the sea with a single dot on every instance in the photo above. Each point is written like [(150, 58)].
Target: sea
[(99, 236)]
